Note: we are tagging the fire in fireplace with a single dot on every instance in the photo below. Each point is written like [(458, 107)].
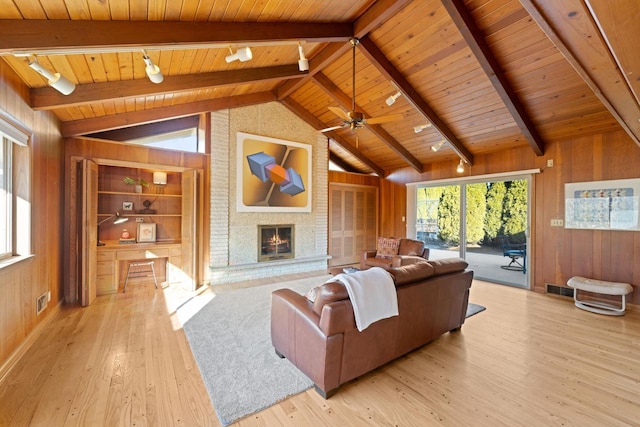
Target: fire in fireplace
[(275, 242)]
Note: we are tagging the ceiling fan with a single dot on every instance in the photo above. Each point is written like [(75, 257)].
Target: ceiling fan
[(355, 119)]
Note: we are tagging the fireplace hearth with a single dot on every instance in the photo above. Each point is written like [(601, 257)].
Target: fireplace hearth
[(275, 242)]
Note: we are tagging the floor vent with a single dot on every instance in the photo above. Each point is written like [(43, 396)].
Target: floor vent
[(563, 291), (41, 303)]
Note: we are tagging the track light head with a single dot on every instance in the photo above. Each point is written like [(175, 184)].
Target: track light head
[(438, 146), (152, 70), (303, 62), (243, 54), (55, 80), (460, 167), (420, 128), (392, 99)]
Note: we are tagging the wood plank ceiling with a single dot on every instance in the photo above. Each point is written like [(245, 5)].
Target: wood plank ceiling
[(486, 75)]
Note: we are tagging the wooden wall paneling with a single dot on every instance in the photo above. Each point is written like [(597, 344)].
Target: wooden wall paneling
[(560, 253), (21, 283)]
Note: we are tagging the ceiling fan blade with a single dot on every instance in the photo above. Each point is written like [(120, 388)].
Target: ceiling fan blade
[(383, 119), (340, 113), (332, 128)]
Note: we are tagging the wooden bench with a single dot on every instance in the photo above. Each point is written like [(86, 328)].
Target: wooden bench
[(600, 287)]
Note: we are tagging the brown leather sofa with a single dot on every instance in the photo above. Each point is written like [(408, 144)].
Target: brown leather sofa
[(321, 338), (409, 252)]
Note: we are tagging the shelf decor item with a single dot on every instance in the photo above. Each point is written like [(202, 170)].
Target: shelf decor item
[(146, 232), (139, 183)]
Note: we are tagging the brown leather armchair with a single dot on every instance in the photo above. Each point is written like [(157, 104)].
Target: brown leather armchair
[(409, 251)]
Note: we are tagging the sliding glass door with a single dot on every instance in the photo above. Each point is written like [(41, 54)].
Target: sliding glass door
[(484, 222)]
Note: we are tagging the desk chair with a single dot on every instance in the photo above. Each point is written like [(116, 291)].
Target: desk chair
[(140, 269)]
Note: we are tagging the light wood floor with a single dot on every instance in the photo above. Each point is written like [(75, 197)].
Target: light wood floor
[(528, 360)]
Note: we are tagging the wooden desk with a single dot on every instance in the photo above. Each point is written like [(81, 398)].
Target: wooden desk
[(114, 258)]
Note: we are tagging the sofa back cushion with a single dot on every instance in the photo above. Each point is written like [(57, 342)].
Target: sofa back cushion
[(448, 265), (387, 247), (327, 293), (410, 247), (411, 273)]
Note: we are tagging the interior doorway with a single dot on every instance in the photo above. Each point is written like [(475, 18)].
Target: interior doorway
[(484, 221)]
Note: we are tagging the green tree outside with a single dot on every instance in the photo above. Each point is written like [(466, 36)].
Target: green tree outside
[(514, 214), (476, 209), (449, 215), (493, 216)]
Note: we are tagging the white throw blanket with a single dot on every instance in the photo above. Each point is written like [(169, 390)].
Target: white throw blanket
[(372, 294)]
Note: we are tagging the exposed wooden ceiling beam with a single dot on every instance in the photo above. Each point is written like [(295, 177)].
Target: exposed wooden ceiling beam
[(375, 16), (25, 36), (577, 43), (47, 98), (346, 102), (117, 121), (317, 124), (377, 58), (478, 45)]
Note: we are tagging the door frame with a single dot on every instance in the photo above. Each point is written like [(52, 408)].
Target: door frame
[(527, 175)]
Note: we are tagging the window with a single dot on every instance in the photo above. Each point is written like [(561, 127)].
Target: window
[(6, 205), (15, 197)]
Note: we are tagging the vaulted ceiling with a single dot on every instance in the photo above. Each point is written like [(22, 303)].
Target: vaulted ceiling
[(486, 75)]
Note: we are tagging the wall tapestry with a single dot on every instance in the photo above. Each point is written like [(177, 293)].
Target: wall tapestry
[(603, 205), (273, 175)]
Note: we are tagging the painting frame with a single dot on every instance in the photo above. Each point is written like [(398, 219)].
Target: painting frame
[(603, 205), (146, 232), (273, 175)]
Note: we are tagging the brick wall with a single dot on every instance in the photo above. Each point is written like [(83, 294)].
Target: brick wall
[(234, 235)]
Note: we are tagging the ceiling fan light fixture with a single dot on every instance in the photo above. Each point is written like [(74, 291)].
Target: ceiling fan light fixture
[(303, 62), (392, 99), (55, 80), (420, 128), (460, 167), (243, 54), (438, 146), (153, 71)]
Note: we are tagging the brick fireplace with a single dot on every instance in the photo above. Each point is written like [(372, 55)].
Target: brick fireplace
[(235, 238)]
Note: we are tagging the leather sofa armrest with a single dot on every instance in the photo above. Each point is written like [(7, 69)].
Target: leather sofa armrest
[(291, 313), (401, 260), (365, 255)]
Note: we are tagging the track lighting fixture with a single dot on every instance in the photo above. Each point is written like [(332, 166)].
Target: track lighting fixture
[(420, 128), (303, 62), (392, 99), (460, 167), (55, 80), (243, 54), (152, 70), (438, 146)]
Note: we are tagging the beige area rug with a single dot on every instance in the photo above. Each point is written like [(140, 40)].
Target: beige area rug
[(231, 341)]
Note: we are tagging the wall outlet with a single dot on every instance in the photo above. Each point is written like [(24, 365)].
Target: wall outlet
[(557, 223), (549, 163), (139, 219)]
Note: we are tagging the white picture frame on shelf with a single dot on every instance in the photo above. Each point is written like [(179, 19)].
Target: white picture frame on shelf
[(146, 232), (127, 206)]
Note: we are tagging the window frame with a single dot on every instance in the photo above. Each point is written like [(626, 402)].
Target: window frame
[(17, 243)]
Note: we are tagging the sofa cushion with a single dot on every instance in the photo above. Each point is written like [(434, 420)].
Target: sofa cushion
[(448, 265), (327, 293), (387, 247), (410, 247), (411, 273)]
